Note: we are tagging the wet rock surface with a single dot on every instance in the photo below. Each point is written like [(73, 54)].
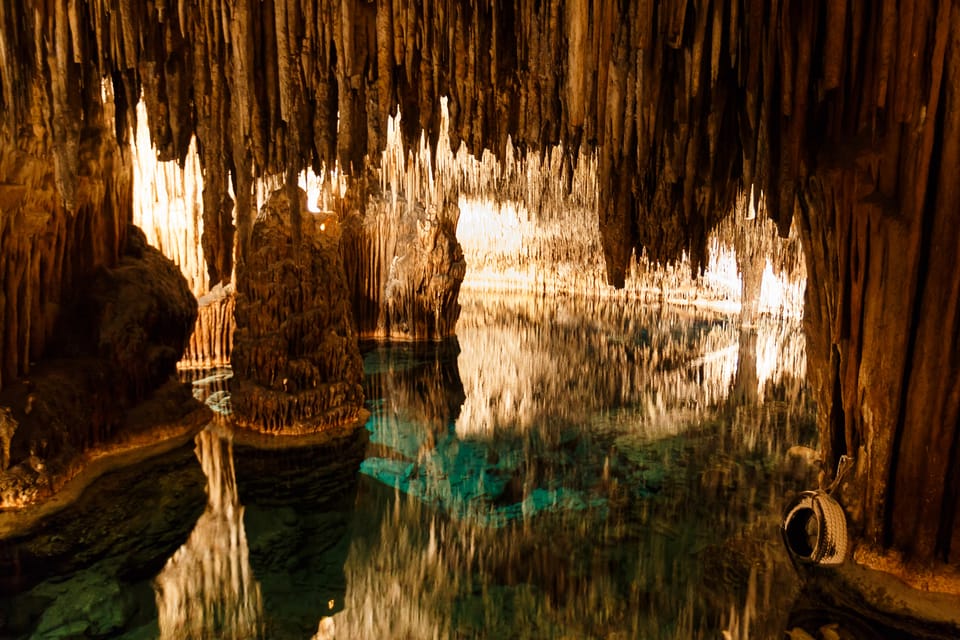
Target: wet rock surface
[(103, 547)]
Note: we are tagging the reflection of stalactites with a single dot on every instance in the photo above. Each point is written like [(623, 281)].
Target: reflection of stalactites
[(207, 589), (667, 367)]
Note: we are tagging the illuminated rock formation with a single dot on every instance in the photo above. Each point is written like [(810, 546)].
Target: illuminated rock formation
[(412, 266), (841, 115), (296, 362), (64, 207), (211, 342)]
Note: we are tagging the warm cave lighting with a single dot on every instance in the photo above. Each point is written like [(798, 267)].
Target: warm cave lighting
[(666, 353), (168, 203), (477, 319)]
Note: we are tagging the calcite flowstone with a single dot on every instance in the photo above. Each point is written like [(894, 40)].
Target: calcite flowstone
[(296, 362), (424, 280), (212, 340), (405, 267)]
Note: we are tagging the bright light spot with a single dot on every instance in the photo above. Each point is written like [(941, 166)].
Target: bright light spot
[(779, 296), (485, 226)]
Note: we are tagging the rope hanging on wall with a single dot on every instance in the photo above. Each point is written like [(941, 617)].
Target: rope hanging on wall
[(814, 527)]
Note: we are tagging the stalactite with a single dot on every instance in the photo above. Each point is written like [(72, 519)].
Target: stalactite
[(840, 111), (529, 84), (48, 246), (167, 204)]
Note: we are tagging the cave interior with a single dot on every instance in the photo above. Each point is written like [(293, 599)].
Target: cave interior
[(838, 120)]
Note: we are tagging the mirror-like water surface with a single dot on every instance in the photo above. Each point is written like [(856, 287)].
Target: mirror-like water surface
[(562, 469)]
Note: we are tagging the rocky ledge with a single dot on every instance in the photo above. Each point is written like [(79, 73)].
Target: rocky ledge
[(107, 386)]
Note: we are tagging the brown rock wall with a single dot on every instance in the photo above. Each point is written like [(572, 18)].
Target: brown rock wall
[(53, 237), (107, 381)]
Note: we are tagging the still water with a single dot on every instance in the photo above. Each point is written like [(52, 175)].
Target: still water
[(562, 469)]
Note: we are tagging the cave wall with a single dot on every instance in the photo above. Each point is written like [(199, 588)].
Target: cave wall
[(65, 193), (878, 219), (844, 111)]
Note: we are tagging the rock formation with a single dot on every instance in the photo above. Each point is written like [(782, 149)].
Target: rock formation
[(405, 266), (107, 382), (296, 360), (842, 114), (211, 342)]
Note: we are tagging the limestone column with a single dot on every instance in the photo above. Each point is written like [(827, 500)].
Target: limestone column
[(296, 362)]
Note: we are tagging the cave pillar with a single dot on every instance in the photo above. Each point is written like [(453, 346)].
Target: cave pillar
[(879, 226), (296, 361), (405, 269)]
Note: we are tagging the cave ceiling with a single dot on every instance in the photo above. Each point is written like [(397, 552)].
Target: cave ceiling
[(686, 102)]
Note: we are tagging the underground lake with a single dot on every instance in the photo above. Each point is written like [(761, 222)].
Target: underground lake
[(564, 468)]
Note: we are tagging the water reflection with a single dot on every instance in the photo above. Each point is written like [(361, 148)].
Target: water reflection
[(546, 396), (562, 469), (207, 588), (299, 500), (87, 570), (526, 359), (267, 553), (612, 472)]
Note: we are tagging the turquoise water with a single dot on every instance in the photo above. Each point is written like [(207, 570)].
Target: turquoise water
[(561, 469), (575, 470)]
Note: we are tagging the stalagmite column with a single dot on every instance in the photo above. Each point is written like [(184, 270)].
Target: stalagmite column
[(410, 265), (296, 361)]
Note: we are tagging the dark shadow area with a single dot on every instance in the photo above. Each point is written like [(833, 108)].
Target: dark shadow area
[(102, 550)]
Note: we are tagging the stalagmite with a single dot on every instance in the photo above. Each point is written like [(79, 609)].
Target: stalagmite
[(296, 361), (840, 115)]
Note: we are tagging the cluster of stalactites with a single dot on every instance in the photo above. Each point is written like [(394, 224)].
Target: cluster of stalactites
[(687, 102)]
